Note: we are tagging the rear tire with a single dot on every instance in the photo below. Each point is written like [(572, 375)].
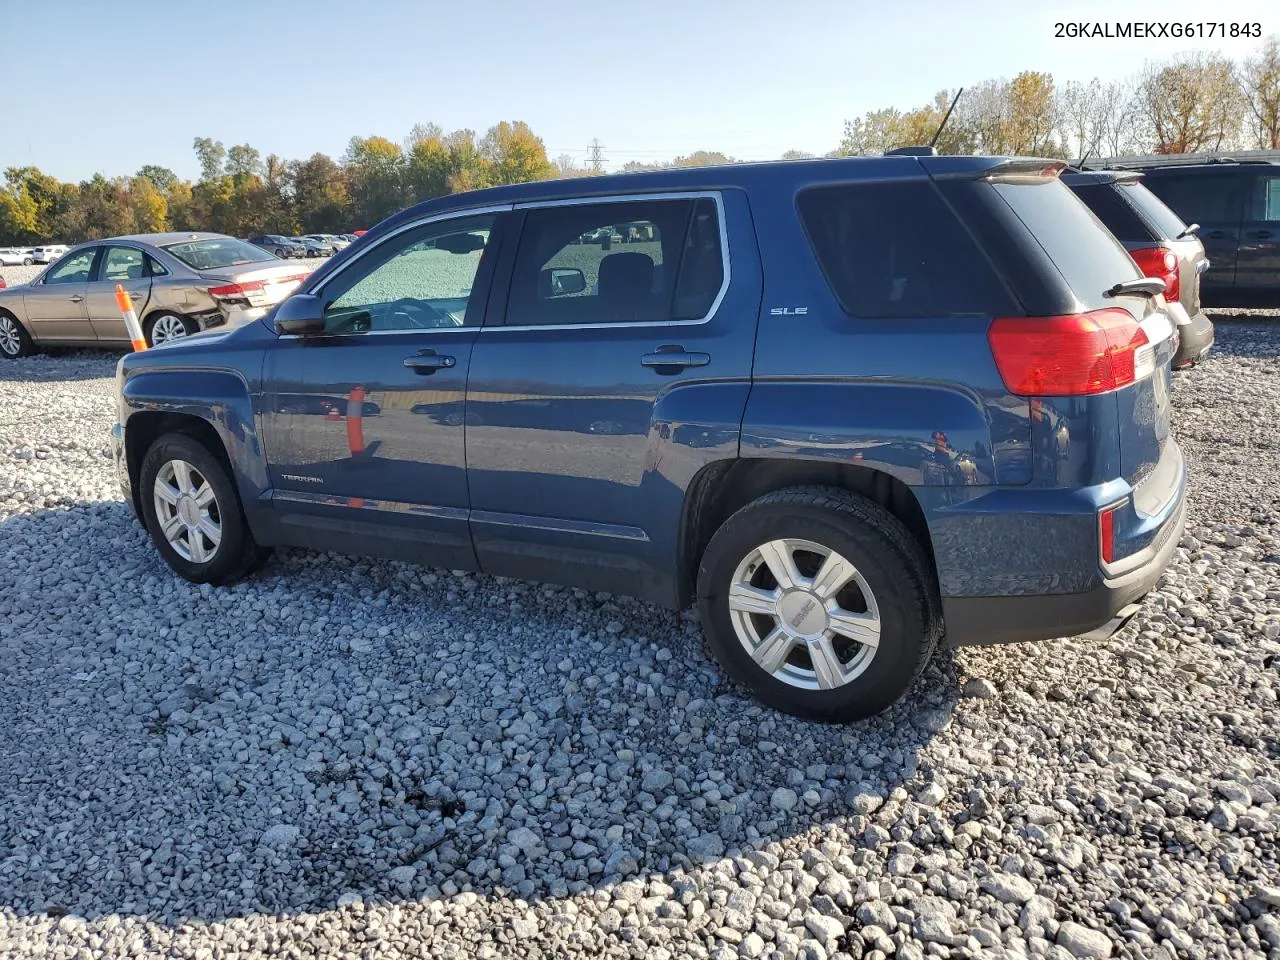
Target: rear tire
[(207, 538), (803, 664), (15, 342), (163, 327), (27, 262)]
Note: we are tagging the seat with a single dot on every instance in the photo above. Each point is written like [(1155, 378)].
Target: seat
[(625, 286)]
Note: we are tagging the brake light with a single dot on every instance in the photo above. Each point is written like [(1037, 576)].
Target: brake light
[(1107, 533), (1161, 263), (233, 291), (1074, 355)]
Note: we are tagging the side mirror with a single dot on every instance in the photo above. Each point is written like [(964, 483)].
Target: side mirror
[(566, 280), (299, 316)]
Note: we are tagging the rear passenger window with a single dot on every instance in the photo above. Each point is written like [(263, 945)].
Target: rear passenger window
[(1109, 206), (897, 250), (1205, 198), (650, 261), (123, 263)]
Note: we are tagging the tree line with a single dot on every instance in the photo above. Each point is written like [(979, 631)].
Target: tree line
[(1194, 102)]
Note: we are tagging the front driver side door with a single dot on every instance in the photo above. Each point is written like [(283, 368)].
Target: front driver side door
[(364, 422), (55, 306)]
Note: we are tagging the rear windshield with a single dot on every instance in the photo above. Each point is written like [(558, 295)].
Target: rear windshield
[(1090, 260), (1169, 225), (1109, 206), (216, 253), (897, 250)]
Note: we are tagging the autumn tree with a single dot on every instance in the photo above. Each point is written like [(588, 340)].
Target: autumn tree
[(514, 154), (1190, 103), (1259, 81), (320, 194)]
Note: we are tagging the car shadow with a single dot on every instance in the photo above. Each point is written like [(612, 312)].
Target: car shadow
[(190, 754)]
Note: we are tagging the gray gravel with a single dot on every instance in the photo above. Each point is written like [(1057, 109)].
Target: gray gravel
[(367, 759)]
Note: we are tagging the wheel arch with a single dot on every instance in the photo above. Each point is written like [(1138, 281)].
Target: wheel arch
[(722, 487)]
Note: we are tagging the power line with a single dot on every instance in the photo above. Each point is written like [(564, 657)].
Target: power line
[(595, 155)]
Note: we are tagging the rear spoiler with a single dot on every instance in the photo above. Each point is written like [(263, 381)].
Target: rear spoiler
[(1020, 168)]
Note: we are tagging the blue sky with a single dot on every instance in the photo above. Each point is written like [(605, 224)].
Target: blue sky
[(120, 85)]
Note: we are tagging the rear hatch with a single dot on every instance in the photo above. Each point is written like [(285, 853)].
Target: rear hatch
[(1065, 266)]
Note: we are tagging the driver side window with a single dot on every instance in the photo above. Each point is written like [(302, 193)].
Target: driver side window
[(420, 280)]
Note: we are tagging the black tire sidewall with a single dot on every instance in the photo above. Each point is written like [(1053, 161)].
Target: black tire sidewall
[(899, 594), (237, 546)]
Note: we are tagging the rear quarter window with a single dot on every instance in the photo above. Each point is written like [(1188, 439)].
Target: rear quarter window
[(897, 250), (1109, 206), (1168, 225), (1089, 258)]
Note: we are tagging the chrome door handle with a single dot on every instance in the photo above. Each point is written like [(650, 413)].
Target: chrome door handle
[(76, 299)]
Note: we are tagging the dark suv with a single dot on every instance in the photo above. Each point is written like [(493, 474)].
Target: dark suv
[(843, 406), (1161, 245), (1237, 205)]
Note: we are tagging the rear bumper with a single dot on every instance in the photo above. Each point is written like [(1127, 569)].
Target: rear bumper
[(1196, 339), (989, 620)]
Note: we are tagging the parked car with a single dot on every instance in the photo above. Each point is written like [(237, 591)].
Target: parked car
[(314, 247), (1237, 207), (335, 243), (48, 253), (704, 422), (16, 257), (282, 247), (180, 283), (1161, 245)]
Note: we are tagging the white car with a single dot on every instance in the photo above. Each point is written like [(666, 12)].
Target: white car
[(16, 257), (49, 252)]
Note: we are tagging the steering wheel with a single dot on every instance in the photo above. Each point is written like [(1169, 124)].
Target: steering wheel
[(408, 313)]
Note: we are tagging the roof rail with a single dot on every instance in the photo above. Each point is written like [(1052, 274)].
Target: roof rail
[(1184, 159)]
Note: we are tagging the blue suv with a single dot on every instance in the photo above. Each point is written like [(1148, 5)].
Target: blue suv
[(842, 406)]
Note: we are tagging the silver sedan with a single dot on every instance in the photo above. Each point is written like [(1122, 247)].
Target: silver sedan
[(180, 284)]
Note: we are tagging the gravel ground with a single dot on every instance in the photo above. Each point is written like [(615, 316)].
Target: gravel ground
[(368, 759)]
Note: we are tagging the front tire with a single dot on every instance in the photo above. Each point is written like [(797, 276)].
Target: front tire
[(820, 602), (163, 327), (192, 510), (15, 342), (27, 262)]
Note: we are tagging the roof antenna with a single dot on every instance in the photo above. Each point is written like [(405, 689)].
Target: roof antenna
[(1088, 154), (943, 124)]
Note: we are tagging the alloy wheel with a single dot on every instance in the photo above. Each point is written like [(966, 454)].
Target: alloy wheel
[(188, 511), (10, 341), (168, 328), (804, 613)]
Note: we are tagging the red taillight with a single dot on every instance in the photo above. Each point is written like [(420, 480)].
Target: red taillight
[(2, 283), (1073, 355), (1161, 263), (233, 290), (1107, 533)]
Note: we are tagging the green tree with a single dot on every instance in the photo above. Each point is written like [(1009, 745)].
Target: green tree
[(375, 167), (320, 195), (212, 156), (162, 177)]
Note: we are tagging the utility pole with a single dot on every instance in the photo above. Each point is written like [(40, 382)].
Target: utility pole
[(595, 156)]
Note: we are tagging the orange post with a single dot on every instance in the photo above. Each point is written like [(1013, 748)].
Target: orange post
[(130, 318), (355, 430)]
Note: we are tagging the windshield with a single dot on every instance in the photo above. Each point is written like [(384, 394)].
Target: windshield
[(216, 252)]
